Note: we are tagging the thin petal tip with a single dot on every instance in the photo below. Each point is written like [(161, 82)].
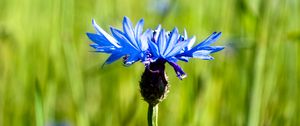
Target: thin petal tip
[(182, 76)]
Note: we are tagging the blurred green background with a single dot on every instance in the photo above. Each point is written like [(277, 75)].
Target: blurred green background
[(50, 77)]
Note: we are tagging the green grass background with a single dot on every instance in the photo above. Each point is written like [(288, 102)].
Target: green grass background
[(48, 76)]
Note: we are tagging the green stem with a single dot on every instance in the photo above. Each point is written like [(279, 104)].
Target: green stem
[(152, 115)]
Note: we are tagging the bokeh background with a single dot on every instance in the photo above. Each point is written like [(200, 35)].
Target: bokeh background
[(50, 77)]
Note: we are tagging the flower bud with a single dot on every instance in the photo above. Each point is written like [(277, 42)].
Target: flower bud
[(154, 85)]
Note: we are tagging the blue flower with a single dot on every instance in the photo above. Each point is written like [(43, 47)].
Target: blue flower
[(152, 45)]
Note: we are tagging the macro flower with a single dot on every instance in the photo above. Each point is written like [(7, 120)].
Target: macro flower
[(154, 48), (151, 46)]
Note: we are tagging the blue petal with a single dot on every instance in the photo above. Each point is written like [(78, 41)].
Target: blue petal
[(128, 30), (113, 57), (144, 39), (183, 58), (105, 49), (185, 34), (99, 39), (156, 33), (138, 30), (177, 48), (213, 49), (161, 42), (153, 49), (158, 28), (178, 70), (217, 48), (173, 39), (191, 42), (126, 44), (202, 52), (211, 39), (100, 31), (202, 55)]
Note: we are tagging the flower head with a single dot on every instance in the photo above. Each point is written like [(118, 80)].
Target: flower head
[(152, 45)]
